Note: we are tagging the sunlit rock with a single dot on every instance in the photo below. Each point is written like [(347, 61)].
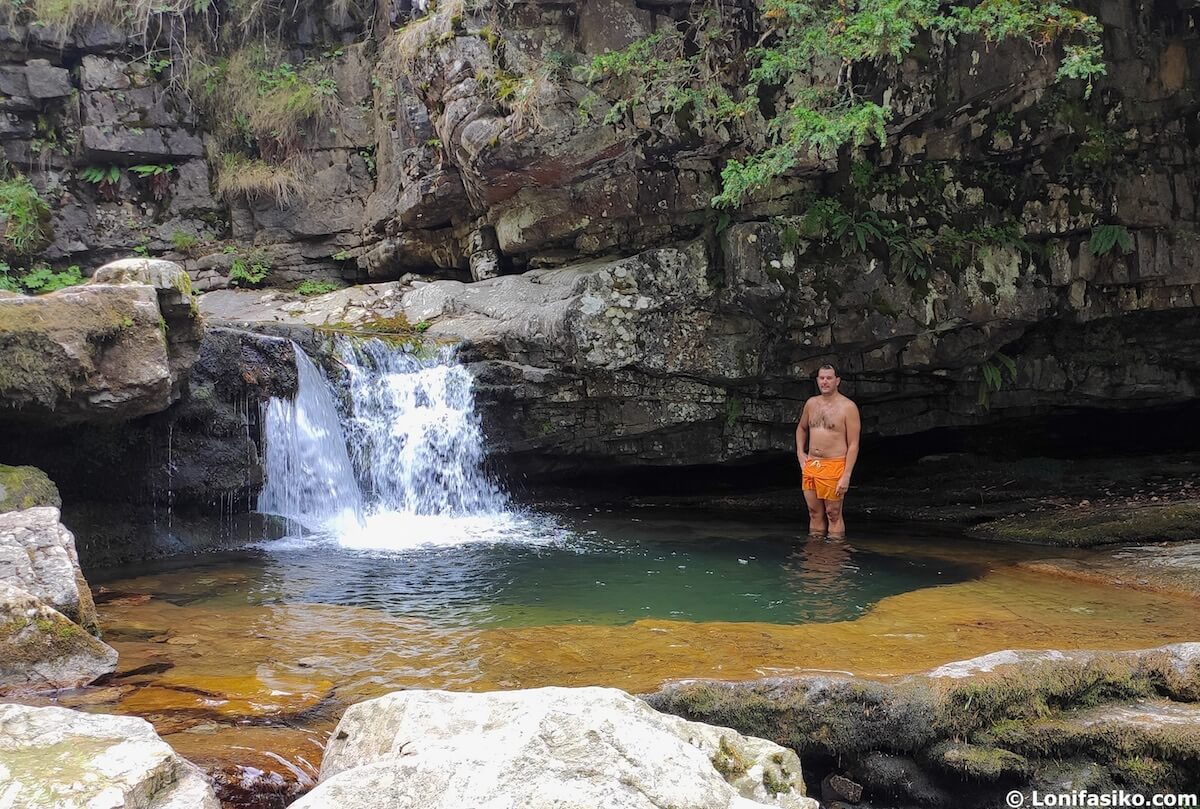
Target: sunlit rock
[(54, 757), (549, 747), (42, 650), (37, 554)]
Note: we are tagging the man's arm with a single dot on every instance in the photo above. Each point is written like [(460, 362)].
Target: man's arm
[(802, 436), (853, 430)]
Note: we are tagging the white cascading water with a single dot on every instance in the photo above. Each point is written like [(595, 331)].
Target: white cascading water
[(414, 434), (310, 480), (415, 454)]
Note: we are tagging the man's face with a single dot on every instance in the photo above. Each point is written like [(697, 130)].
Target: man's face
[(827, 381)]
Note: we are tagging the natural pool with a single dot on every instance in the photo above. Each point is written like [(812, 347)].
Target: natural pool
[(244, 660)]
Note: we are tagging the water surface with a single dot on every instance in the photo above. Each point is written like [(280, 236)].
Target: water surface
[(245, 660)]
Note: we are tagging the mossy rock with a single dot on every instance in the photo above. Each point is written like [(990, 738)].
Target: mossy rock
[(1103, 526), (977, 762), (23, 487), (1143, 751), (815, 716), (41, 649)]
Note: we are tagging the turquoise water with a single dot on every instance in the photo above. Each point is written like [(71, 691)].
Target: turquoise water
[(583, 567)]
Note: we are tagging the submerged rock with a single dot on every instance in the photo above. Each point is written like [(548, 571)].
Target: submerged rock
[(54, 758), (541, 748), (1101, 526)]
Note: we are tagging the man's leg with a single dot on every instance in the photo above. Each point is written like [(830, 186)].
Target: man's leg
[(837, 525), (817, 523)]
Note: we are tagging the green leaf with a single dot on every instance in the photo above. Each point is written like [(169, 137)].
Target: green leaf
[(1106, 237)]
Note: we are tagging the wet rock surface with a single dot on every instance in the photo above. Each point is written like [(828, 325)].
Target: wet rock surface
[(188, 474), (1161, 568)]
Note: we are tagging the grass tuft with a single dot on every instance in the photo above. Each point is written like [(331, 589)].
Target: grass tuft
[(251, 179)]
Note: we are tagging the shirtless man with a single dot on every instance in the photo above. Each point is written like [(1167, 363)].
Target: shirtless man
[(827, 447)]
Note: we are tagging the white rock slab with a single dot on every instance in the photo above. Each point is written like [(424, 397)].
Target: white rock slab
[(566, 748), (37, 554), (54, 758)]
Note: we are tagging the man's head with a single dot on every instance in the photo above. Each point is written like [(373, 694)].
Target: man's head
[(827, 379)]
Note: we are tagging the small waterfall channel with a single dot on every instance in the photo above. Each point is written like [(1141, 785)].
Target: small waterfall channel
[(392, 459)]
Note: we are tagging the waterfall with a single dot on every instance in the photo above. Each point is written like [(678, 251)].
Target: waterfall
[(393, 461), (310, 480), (414, 433)]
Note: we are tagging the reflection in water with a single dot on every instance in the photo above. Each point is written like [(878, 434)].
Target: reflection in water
[(821, 565), (600, 571)]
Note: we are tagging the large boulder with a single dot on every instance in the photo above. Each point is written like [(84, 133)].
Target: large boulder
[(102, 351), (42, 650), (54, 758), (541, 748), (37, 554)]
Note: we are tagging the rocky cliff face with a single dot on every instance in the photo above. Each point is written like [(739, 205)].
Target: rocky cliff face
[(1040, 250)]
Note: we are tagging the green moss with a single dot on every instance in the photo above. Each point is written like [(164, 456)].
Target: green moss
[(827, 719), (1101, 526), (60, 630), (776, 783), (729, 761), (978, 763), (1142, 772), (23, 487), (182, 283), (45, 637), (1039, 690), (34, 367)]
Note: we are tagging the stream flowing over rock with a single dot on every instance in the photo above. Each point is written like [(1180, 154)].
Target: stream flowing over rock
[(54, 758), (550, 747)]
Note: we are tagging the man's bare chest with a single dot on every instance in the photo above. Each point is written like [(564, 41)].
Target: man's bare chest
[(828, 417)]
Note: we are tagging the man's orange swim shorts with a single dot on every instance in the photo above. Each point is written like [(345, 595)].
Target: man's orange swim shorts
[(822, 475)]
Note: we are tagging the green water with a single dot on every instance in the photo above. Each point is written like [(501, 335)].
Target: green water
[(584, 568)]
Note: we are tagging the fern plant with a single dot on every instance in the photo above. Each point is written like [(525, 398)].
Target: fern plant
[(993, 373), (1107, 237), (159, 177), (107, 180)]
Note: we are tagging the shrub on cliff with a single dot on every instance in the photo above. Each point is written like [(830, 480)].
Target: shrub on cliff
[(791, 80)]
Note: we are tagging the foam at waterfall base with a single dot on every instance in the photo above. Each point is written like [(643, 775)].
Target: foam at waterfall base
[(395, 532), (401, 531)]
